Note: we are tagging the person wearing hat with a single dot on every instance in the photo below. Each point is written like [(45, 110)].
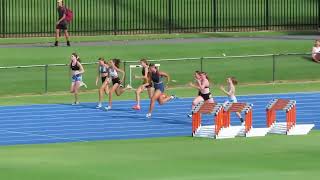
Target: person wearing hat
[(61, 24)]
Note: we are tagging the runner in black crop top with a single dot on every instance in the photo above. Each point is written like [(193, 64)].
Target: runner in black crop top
[(76, 74), (74, 67), (202, 84)]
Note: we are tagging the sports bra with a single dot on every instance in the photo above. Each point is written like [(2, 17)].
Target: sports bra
[(156, 77), (143, 71), (103, 69), (75, 67), (113, 73)]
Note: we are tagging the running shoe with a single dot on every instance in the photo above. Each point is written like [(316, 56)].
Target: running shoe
[(136, 107), (129, 86), (108, 108), (148, 115), (75, 103), (173, 97), (99, 106)]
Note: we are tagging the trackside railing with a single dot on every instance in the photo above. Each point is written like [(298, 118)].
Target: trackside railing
[(266, 68)]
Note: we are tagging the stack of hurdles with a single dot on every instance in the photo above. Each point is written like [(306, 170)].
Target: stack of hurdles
[(221, 127)]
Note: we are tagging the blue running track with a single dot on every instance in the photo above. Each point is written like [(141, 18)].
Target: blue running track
[(37, 124)]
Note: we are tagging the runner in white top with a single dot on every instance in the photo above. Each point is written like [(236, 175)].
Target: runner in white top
[(231, 93), (316, 51), (103, 74), (114, 69)]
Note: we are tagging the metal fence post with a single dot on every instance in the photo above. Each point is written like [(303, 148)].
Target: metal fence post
[(201, 64), (267, 14), (214, 15), (115, 18), (170, 16), (3, 18), (318, 15), (273, 68), (46, 78)]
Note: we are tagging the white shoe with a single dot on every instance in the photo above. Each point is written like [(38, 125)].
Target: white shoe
[(243, 123), (148, 115), (189, 115), (107, 108), (129, 86), (172, 97), (99, 106), (75, 103), (83, 84)]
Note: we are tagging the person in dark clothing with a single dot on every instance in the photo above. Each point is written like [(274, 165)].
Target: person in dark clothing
[(156, 77), (61, 24)]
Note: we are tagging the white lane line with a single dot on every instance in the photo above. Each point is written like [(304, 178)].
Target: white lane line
[(48, 136)]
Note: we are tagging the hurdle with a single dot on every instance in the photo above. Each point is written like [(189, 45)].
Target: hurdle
[(247, 130), (289, 127), (219, 130), (136, 66)]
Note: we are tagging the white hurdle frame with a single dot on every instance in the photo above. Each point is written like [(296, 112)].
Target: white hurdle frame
[(137, 66)]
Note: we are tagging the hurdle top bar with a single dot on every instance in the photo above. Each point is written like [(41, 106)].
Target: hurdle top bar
[(286, 107), (197, 107), (216, 108), (290, 105), (271, 103), (246, 107)]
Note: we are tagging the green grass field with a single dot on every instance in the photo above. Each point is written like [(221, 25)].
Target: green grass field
[(181, 158), (174, 158), (247, 70)]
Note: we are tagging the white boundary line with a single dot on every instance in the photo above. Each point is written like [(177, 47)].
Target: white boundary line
[(316, 93), (94, 138), (187, 99), (48, 136), (55, 135)]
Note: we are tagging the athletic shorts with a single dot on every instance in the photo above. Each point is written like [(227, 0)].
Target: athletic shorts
[(76, 78), (116, 81), (62, 26), (103, 79), (232, 99), (148, 86), (159, 86), (206, 96)]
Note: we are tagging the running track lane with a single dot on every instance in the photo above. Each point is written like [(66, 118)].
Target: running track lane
[(55, 123)]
